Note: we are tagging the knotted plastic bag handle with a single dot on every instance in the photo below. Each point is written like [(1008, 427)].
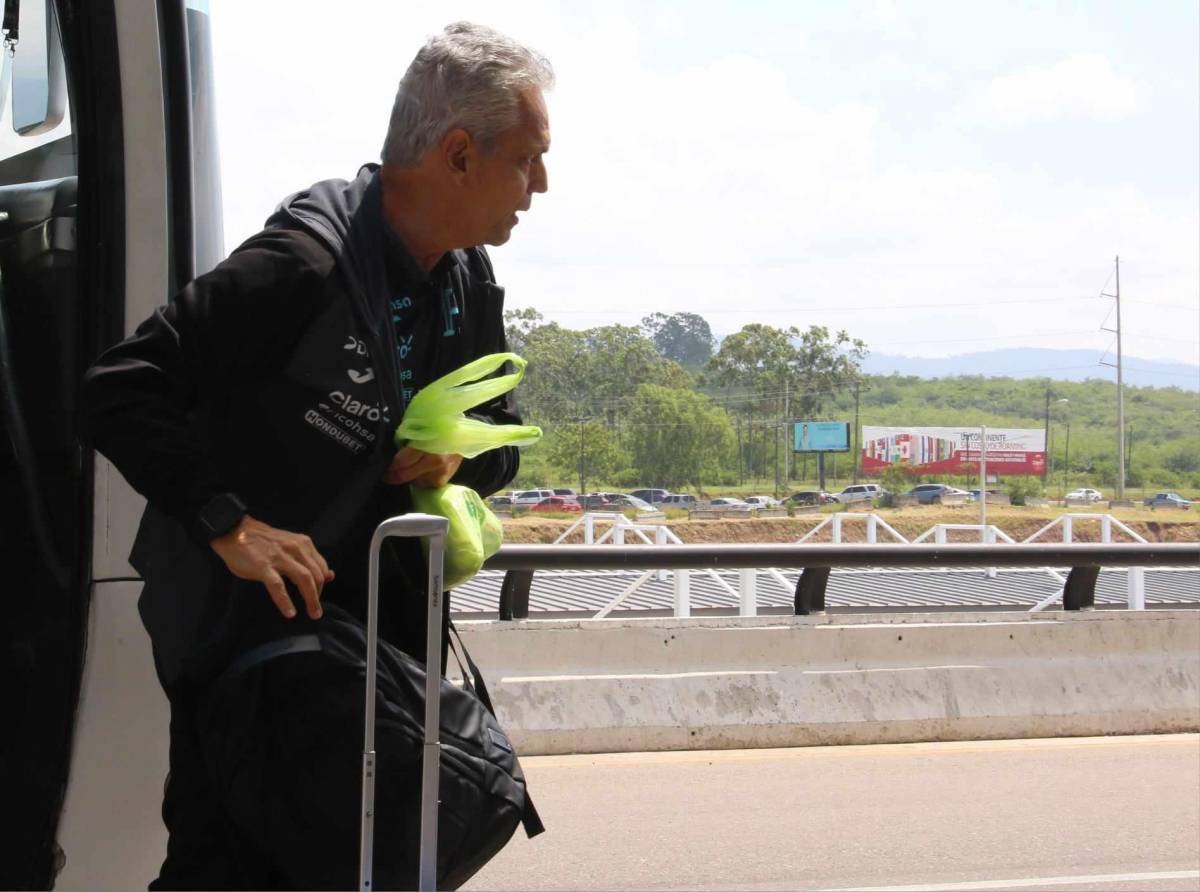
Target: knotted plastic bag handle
[(433, 421)]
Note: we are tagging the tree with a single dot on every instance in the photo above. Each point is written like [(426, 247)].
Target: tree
[(517, 326), (587, 449), (573, 373), (678, 437), (810, 366), (683, 337)]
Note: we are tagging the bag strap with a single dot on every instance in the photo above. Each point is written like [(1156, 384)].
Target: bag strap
[(529, 817)]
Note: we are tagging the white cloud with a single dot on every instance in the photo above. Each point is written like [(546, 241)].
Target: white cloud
[(1081, 86), (887, 17), (721, 187)]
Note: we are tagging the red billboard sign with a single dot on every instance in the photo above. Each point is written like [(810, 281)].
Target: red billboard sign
[(952, 450)]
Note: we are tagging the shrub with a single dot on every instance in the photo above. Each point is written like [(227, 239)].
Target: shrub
[(1021, 488)]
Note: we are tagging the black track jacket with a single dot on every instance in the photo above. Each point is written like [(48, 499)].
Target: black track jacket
[(274, 377)]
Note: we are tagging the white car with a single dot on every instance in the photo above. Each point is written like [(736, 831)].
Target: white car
[(762, 502), (728, 503), (859, 492), (1085, 495), (530, 497)]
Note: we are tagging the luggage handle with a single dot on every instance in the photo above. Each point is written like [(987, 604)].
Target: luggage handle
[(434, 529)]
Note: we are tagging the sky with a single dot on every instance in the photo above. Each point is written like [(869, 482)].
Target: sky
[(935, 178)]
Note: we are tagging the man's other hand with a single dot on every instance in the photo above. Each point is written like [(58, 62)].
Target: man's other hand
[(421, 468), (261, 553)]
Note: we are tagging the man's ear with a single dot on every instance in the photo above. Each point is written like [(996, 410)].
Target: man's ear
[(457, 148)]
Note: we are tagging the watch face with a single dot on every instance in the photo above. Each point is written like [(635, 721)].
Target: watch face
[(222, 514)]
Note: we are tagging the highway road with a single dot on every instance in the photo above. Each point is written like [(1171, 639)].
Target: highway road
[(1114, 813)]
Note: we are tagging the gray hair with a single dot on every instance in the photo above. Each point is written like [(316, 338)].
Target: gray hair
[(468, 76)]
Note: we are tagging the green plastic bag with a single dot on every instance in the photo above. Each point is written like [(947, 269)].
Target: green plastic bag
[(434, 422), (474, 534)]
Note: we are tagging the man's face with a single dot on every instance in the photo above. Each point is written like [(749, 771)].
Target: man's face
[(509, 174)]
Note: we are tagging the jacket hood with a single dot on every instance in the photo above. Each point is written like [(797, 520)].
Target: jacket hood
[(329, 209)]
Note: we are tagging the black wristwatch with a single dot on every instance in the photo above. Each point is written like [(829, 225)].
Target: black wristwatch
[(222, 513)]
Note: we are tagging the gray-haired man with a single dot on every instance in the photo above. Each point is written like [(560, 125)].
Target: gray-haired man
[(254, 412)]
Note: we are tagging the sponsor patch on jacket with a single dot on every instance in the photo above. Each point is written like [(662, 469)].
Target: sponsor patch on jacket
[(333, 431)]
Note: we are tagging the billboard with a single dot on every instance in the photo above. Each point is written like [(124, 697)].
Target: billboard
[(821, 436), (954, 450)]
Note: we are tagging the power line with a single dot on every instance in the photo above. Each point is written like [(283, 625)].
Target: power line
[(793, 307), (1043, 334)]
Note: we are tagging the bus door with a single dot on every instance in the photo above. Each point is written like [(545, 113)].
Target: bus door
[(102, 106)]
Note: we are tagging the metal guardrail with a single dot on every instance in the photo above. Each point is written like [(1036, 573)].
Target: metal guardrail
[(817, 561)]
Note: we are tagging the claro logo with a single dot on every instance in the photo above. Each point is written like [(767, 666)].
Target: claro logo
[(354, 407)]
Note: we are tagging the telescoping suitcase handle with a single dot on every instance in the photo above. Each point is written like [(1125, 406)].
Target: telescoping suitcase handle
[(433, 528)]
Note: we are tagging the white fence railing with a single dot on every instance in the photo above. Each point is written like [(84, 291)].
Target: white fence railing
[(601, 528)]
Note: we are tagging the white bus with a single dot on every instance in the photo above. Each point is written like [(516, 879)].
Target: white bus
[(109, 201)]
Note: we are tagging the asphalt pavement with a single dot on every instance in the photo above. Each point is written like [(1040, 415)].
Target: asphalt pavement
[(1112, 813)]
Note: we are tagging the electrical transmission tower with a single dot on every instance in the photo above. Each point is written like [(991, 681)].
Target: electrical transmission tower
[(1120, 384)]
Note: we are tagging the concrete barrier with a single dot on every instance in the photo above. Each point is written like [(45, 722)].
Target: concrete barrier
[(770, 512), (805, 509), (660, 684)]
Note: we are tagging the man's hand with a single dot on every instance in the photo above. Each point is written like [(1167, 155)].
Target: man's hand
[(421, 468), (258, 552)]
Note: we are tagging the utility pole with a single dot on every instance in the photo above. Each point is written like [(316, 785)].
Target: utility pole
[(1067, 462), (787, 414), (1120, 388), (1129, 446), (741, 476), (775, 437), (1120, 394), (857, 444), (1046, 442), (582, 476), (1067, 455), (983, 484)]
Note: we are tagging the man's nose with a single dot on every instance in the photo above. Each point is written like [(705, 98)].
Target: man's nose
[(539, 181)]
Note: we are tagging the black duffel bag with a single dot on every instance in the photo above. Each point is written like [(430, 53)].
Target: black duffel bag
[(284, 739)]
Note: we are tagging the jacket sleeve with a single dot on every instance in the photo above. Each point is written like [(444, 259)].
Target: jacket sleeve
[(490, 472), (141, 397)]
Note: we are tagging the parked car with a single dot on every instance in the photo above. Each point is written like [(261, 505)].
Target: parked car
[(653, 496), (601, 501), (531, 496), (933, 493), (621, 502), (860, 492), (1168, 500), (564, 491), (810, 497), (558, 503), (762, 502), (728, 503), (501, 501), (678, 500), (1085, 495), (974, 494)]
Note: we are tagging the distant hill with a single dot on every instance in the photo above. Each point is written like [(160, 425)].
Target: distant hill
[(1034, 362)]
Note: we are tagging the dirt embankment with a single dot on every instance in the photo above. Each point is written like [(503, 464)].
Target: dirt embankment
[(1019, 523)]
